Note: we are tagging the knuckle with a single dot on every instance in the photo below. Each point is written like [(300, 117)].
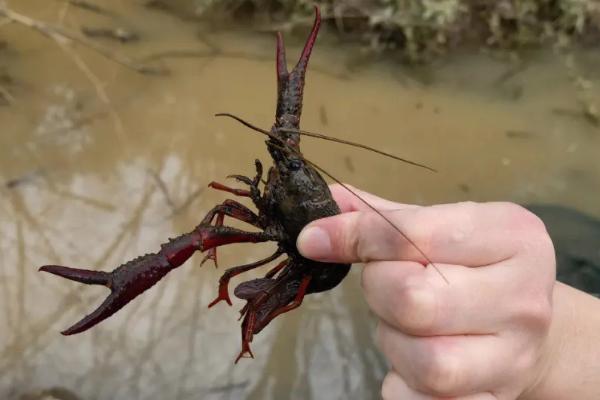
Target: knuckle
[(415, 307), (441, 374), (451, 234), (531, 232), (525, 361), (419, 231), (519, 217), (367, 243), (535, 313), (545, 250)]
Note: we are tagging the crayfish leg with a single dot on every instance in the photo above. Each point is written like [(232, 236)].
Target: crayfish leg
[(245, 350), (234, 210), (231, 272), (211, 254), (224, 188)]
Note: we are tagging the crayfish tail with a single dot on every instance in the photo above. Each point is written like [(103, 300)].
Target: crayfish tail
[(78, 275)]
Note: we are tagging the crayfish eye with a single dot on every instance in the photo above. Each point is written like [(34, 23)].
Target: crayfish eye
[(294, 165)]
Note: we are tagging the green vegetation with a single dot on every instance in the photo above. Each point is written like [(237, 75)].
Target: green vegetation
[(423, 29)]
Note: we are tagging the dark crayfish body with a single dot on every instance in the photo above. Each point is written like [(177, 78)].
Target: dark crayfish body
[(294, 195), (300, 196)]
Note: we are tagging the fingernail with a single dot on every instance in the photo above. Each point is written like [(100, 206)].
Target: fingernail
[(314, 242)]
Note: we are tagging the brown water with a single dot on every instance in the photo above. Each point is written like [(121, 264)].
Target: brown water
[(100, 164)]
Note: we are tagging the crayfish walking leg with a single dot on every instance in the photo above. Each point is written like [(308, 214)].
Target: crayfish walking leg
[(231, 272), (234, 210)]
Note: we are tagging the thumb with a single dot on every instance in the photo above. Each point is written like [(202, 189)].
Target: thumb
[(358, 236)]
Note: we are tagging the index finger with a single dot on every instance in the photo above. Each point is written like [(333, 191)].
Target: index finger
[(350, 199)]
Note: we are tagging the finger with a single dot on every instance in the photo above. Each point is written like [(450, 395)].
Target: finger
[(394, 388), (416, 301), (470, 234), (447, 366), (350, 199)]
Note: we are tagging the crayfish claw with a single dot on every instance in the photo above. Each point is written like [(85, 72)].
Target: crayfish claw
[(125, 283), (78, 275), (105, 310)]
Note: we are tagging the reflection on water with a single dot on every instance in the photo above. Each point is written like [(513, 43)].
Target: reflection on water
[(99, 164)]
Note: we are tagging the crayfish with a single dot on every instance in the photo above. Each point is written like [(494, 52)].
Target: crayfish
[(293, 195)]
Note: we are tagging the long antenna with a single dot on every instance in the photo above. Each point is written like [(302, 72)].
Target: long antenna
[(354, 144), (285, 147), (330, 138), (245, 123)]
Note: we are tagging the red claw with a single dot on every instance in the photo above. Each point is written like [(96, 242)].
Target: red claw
[(125, 283), (138, 275)]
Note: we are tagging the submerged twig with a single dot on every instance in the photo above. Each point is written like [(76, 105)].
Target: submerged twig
[(6, 96), (163, 188), (98, 86), (23, 179), (89, 6), (189, 200), (60, 35), (121, 35), (175, 208)]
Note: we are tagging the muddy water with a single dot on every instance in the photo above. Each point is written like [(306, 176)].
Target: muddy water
[(99, 164)]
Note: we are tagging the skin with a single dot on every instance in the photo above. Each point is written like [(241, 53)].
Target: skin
[(502, 328)]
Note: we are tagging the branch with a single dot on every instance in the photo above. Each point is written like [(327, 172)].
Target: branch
[(62, 36)]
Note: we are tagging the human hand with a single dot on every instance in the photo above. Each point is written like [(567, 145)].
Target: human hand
[(483, 334)]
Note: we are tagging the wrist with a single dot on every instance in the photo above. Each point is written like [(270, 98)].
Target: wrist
[(569, 364)]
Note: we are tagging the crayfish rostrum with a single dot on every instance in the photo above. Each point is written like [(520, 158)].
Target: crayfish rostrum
[(294, 195)]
